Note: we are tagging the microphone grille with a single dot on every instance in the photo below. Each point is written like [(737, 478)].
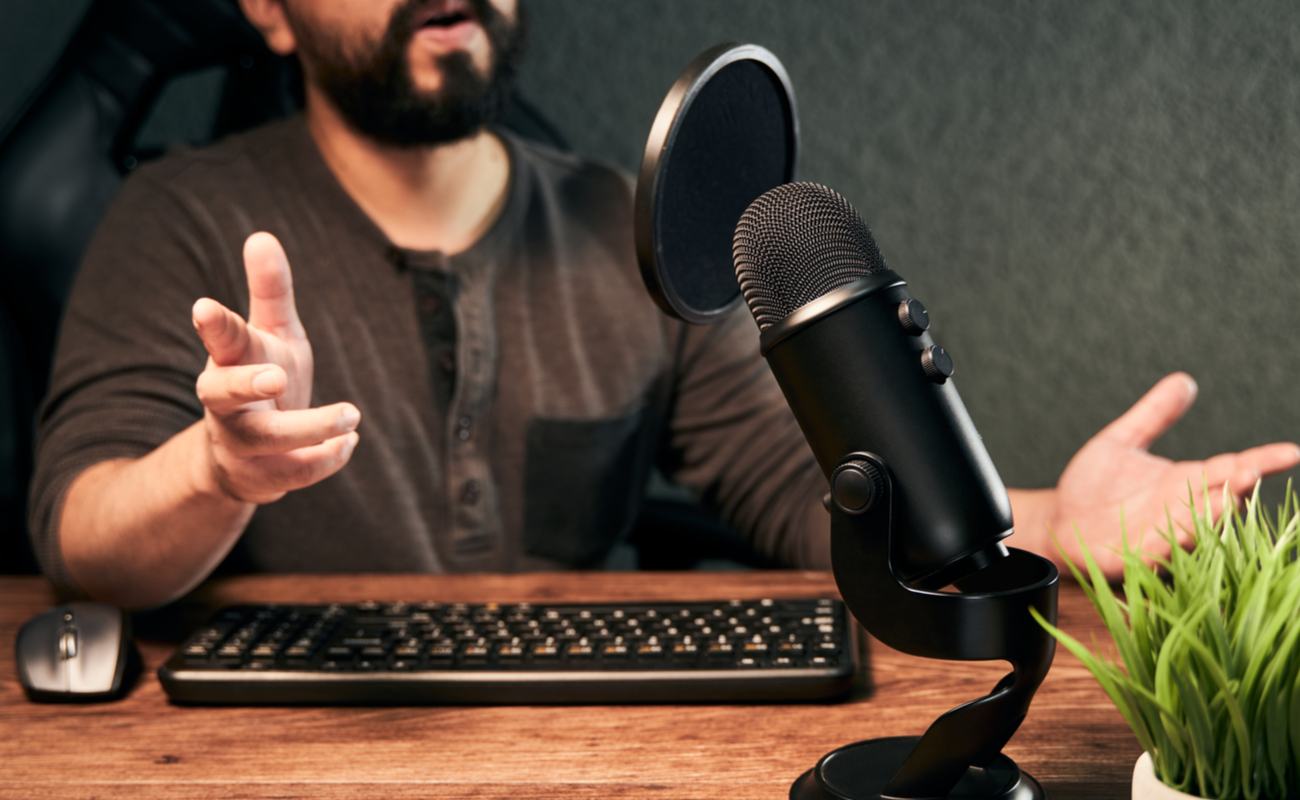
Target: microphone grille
[(796, 243)]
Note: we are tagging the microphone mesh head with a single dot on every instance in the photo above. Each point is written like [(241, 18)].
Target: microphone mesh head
[(796, 243)]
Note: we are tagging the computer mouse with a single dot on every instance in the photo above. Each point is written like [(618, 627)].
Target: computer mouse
[(76, 651)]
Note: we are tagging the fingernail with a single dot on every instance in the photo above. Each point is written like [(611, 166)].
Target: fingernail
[(1191, 384), (349, 417), (351, 443), (266, 382)]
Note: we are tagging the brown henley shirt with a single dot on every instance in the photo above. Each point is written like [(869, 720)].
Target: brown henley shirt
[(513, 397)]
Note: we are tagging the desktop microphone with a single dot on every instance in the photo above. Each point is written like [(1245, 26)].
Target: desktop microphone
[(852, 351)]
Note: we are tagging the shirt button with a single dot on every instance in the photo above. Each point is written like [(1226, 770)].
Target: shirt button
[(469, 493), (464, 427)]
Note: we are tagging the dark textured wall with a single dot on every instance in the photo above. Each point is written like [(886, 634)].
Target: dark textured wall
[(1086, 195)]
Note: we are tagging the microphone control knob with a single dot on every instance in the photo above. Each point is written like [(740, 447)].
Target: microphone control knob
[(855, 485), (913, 316), (936, 363)]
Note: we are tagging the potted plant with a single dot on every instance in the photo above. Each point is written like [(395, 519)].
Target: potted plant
[(1207, 672)]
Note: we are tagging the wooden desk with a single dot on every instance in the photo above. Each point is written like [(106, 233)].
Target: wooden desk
[(1074, 742)]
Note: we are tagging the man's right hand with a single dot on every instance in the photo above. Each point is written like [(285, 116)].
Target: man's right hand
[(262, 438)]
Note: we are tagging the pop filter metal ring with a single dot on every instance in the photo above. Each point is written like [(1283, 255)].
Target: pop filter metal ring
[(659, 148)]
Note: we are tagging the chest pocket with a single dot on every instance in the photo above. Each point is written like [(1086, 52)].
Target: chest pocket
[(583, 482)]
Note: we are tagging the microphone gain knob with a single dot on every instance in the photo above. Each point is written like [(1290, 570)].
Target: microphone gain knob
[(936, 363), (913, 316)]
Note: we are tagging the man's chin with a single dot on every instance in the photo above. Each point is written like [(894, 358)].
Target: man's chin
[(428, 73)]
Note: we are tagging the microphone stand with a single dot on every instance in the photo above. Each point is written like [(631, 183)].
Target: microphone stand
[(960, 755)]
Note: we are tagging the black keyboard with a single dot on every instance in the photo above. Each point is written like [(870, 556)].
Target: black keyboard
[(436, 653)]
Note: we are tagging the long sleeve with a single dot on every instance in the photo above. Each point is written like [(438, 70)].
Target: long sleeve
[(127, 357), (733, 438)]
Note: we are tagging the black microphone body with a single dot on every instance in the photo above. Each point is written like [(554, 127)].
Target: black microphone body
[(855, 381), (861, 372)]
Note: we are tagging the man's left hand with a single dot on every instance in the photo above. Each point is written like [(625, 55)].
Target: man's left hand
[(1114, 473)]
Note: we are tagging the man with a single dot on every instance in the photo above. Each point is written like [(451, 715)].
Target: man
[(474, 297)]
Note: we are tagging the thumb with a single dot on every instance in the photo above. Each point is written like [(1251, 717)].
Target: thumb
[(271, 305), (1162, 406)]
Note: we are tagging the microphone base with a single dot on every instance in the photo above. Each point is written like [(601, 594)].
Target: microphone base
[(862, 770)]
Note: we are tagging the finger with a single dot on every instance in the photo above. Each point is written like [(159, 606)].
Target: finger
[(223, 390), (272, 432), (1152, 415), (1241, 471), (270, 286), (308, 465), (1270, 458), (223, 332), (1216, 471)]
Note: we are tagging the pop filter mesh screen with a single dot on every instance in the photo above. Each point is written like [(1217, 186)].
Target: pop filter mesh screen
[(735, 142)]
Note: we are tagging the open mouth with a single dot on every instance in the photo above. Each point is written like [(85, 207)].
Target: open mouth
[(447, 15)]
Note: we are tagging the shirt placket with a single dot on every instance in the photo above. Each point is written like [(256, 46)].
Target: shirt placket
[(476, 533)]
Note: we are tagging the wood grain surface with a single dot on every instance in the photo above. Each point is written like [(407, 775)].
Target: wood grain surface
[(1073, 741)]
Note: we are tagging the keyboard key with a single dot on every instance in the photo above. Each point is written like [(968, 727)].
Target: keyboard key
[(579, 651)]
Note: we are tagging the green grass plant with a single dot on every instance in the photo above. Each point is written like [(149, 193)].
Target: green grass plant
[(1206, 668)]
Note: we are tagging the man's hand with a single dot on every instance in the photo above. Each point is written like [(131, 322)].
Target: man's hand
[(262, 438), (1113, 473)]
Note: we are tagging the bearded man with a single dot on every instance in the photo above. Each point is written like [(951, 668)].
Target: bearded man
[(471, 295)]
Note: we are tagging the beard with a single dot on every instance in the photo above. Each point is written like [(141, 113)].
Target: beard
[(375, 92)]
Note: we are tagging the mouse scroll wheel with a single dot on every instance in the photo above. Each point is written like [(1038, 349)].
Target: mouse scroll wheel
[(68, 643)]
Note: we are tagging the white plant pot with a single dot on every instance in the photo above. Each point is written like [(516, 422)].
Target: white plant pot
[(1146, 786)]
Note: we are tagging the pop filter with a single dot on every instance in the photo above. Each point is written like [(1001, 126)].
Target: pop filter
[(726, 133)]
